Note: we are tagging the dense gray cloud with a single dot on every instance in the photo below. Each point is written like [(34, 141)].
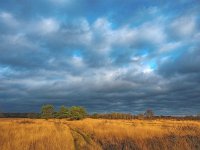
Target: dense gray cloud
[(187, 63), (128, 57)]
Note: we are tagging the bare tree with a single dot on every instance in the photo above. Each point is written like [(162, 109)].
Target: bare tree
[(149, 113)]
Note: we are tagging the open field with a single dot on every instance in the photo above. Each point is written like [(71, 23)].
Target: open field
[(97, 134)]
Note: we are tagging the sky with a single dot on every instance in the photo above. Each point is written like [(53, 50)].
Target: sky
[(108, 56)]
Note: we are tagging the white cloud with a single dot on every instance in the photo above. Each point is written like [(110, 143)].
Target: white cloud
[(104, 37), (184, 26), (147, 70), (152, 32), (77, 61), (18, 42), (8, 19), (124, 36), (48, 25), (170, 46), (102, 24)]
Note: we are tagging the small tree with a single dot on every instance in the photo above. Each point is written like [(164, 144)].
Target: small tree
[(149, 113), (77, 112), (63, 112), (47, 111)]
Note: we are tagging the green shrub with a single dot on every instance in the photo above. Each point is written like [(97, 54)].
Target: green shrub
[(63, 112), (77, 112), (47, 111)]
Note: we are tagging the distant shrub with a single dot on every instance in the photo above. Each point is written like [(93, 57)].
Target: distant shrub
[(47, 111), (140, 116), (113, 115), (1, 115)]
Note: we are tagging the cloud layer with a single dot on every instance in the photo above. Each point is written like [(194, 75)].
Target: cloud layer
[(106, 56)]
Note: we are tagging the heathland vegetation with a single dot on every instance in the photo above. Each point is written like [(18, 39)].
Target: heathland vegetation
[(99, 134)]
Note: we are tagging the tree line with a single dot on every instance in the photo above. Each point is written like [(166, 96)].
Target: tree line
[(77, 112), (148, 114)]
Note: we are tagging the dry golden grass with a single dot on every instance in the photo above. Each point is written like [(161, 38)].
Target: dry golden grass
[(20, 134), (96, 134)]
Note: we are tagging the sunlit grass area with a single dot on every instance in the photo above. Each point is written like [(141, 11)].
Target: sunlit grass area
[(92, 134)]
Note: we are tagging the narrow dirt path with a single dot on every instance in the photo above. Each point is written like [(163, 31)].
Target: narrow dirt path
[(83, 141)]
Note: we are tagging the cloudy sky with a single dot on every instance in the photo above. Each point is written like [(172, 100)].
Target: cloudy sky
[(108, 56)]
